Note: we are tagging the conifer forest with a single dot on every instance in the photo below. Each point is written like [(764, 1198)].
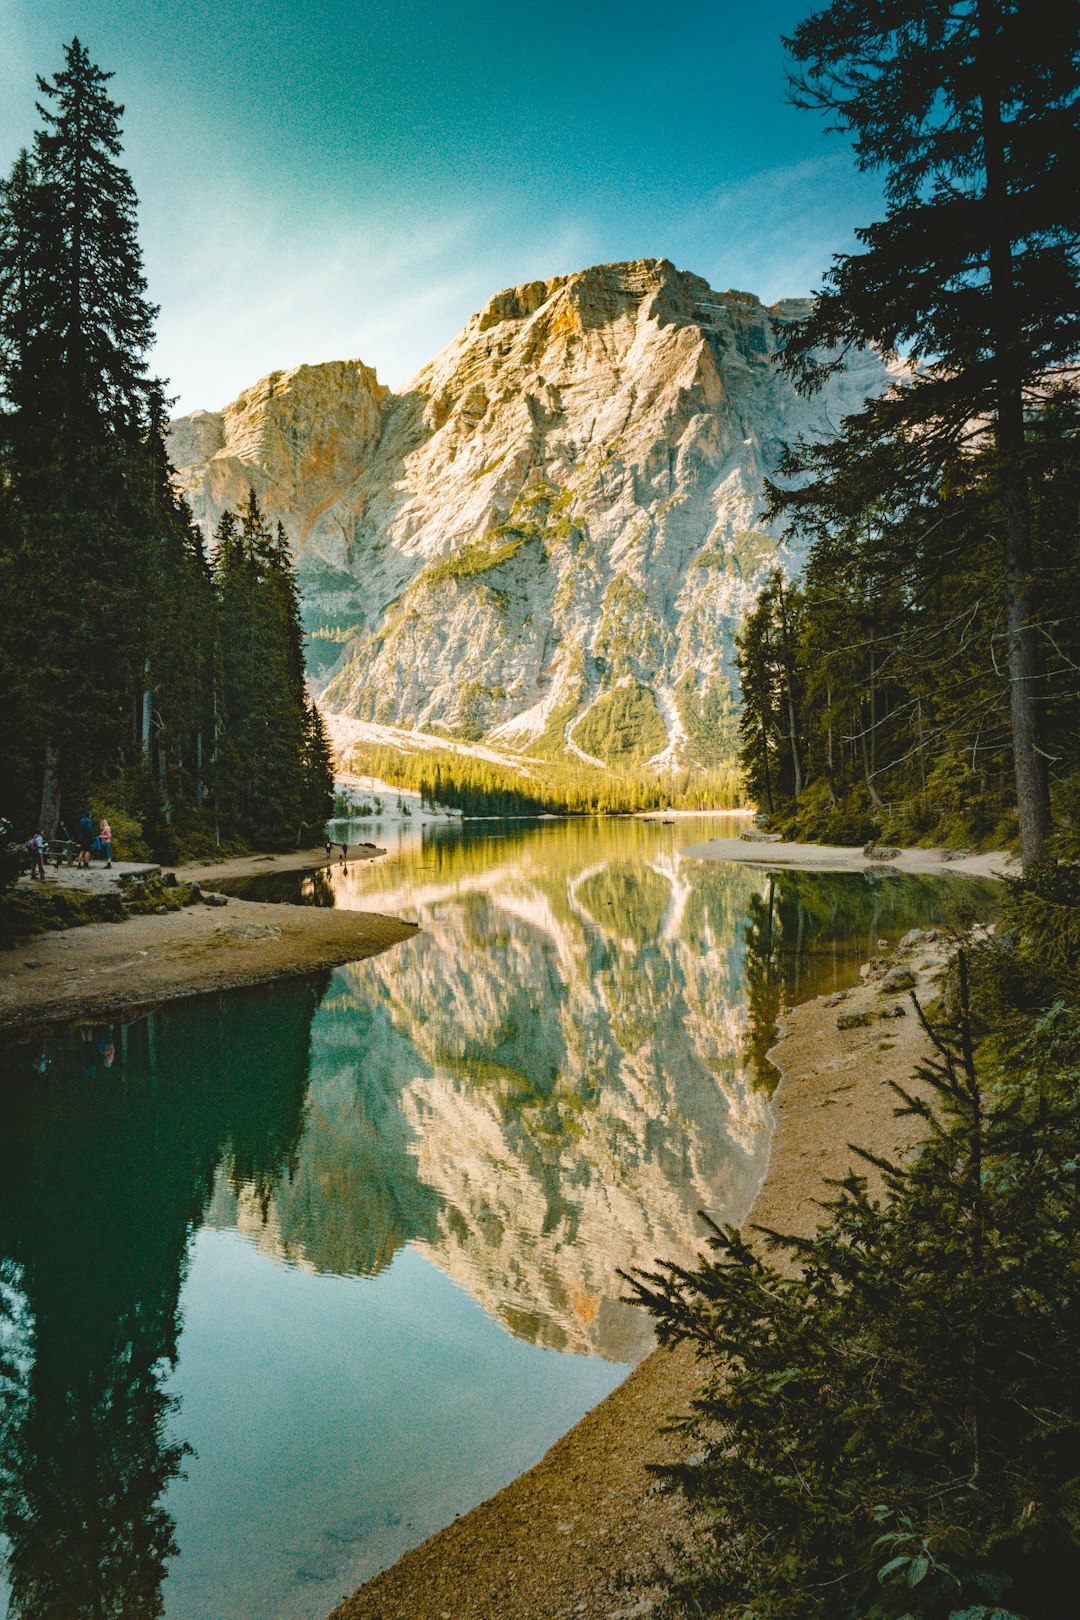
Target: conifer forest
[(137, 670)]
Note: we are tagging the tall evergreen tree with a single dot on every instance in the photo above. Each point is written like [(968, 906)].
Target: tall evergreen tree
[(75, 327), (969, 107)]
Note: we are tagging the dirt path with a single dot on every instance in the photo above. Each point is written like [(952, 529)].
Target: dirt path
[(576, 1537)]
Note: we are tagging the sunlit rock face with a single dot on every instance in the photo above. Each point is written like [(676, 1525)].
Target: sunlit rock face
[(302, 439), (565, 502), (542, 1088)]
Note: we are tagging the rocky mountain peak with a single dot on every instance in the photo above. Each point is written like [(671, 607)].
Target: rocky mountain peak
[(551, 533)]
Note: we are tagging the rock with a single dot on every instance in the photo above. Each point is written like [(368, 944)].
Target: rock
[(141, 875), (212, 898), (168, 880), (897, 1010), (754, 836), (956, 854), (853, 1020), (918, 936), (881, 852), (898, 978), (562, 509)]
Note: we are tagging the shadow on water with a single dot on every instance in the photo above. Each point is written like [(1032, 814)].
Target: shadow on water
[(110, 1140)]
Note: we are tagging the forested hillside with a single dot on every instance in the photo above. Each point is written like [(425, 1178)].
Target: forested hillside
[(876, 692), (125, 689)]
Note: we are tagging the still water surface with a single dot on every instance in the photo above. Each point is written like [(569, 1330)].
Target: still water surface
[(291, 1276)]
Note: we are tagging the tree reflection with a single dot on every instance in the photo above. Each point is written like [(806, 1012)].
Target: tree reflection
[(109, 1145), (809, 931)]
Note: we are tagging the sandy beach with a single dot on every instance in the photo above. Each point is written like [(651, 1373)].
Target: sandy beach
[(576, 1537), (106, 968), (760, 851)]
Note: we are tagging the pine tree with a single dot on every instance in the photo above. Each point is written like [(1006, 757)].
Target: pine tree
[(75, 326), (969, 107)]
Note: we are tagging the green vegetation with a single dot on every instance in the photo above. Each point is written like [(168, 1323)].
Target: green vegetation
[(630, 640), (480, 787), (890, 1423), (877, 695), (46, 907), (622, 727), (969, 111), (747, 554), (472, 560), (121, 659), (710, 718)]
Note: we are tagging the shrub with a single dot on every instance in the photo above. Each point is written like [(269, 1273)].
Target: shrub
[(890, 1423)]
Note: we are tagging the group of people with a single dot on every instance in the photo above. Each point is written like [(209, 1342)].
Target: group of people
[(63, 843)]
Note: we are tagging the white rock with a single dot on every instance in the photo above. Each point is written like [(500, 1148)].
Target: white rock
[(565, 501)]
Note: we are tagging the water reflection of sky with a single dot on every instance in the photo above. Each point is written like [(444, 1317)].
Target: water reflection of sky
[(354, 1238)]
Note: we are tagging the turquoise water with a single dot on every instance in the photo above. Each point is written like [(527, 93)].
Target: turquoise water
[(291, 1276)]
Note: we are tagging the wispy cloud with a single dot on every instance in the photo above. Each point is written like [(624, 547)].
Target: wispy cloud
[(246, 287), (775, 232)]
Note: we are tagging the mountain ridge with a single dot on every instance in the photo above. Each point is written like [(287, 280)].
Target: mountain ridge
[(550, 534)]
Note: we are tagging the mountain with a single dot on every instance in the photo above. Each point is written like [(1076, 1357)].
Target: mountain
[(549, 537)]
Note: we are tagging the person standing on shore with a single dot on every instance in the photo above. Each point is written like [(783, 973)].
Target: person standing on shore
[(86, 839), (36, 847), (106, 841)]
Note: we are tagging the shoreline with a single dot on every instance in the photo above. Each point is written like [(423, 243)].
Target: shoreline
[(575, 1538), (760, 851), (103, 970)]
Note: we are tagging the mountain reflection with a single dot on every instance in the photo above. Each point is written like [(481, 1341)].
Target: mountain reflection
[(542, 1087), (566, 1065)]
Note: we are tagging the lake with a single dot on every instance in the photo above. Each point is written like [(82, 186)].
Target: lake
[(289, 1277)]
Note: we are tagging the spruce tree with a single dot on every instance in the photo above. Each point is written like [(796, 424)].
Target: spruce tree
[(75, 327), (969, 108)]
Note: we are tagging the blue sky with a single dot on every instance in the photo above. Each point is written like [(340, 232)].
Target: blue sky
[(355, 177)]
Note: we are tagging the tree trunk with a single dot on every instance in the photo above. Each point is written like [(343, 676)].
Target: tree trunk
[(875, 797), (1029, 760), (796, 762), (50, 791), (147, 715)]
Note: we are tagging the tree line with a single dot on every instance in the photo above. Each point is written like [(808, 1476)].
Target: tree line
[(138, 670), (480, 787), (877, 691)]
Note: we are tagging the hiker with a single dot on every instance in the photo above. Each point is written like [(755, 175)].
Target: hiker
[(62, 843), (86, 839), (105, 837), (37, 846)]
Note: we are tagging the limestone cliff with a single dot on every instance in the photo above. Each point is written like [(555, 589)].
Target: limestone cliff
[(551, 534)]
